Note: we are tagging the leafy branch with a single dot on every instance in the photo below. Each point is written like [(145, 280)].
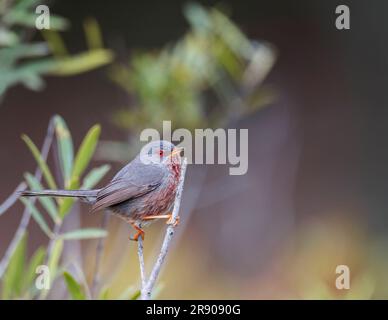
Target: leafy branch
[(73, 166), (26, 62), (10, 252)]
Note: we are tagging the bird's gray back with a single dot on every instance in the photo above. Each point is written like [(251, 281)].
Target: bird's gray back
[(140, 173)]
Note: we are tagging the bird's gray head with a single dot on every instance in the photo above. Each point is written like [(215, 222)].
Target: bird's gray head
[(159, 152)]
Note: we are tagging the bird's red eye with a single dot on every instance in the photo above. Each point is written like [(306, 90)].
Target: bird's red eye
[(161, 153)]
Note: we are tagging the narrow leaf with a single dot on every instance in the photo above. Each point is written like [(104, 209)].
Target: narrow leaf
[(37, 217), (93, 34), (13, 278), (36, 260), (94, 176), (82, 160), (54, 258), (88, 233), (67, 203), (53, 261), (65, 148), (65, 207), (55, 42), (41, 163), (86, 150), (75, 289), (83, 62), (47, 203)]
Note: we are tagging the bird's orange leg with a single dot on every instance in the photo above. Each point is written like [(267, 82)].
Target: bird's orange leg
[(140, 232), (164, 216)]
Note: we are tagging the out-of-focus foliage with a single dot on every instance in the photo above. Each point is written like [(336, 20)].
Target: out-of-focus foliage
[(72, 167), (20, 276), (313, 267), (208, 78), (19, 279), (304, 268), (26, 62)]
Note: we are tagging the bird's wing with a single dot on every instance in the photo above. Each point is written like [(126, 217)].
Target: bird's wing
[(137, 181), (120, 190)]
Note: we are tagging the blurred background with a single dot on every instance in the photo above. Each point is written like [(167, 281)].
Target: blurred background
[(311, 96)]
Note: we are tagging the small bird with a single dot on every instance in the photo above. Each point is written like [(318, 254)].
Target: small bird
[(141, 192)]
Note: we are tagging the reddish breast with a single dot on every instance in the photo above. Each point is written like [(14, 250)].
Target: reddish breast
[(161, 201)]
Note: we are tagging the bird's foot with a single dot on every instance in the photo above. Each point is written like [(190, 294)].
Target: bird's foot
[(140, 233), (137, 235), (174, 223)]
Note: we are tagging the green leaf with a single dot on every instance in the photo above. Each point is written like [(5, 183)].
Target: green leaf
[(10, 55), (24, 5), (13, 278), (55, 256), (65, 206), (37, 217), (75, 289), (32, 81), (87, 233), (8, 38), (65, 148), (53, 263), (36, 260), (27, 19), (55, 42), (93, 34), (28, 73), (47, 203), (82, 159), (86, 151), (41, 163), (83, 62), (136, 295), (94, 176)]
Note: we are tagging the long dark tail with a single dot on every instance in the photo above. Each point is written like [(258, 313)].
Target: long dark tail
[(85, 195)]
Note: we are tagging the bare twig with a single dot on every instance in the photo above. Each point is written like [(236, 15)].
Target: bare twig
[(146, 290), (12, 198), (99, 252), (141, 262), (26, 213), (54, 237)]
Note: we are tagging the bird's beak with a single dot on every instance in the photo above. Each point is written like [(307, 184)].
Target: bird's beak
[(177, 150)]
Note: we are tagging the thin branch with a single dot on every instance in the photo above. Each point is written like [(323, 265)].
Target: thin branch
[(54, 237), (26, 213), (99, 252), (9, 202), (141, 262), (149, 285)]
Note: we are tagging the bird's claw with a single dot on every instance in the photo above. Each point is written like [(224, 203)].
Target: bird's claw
[(173, 223), (137, 235), (140, 233)]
